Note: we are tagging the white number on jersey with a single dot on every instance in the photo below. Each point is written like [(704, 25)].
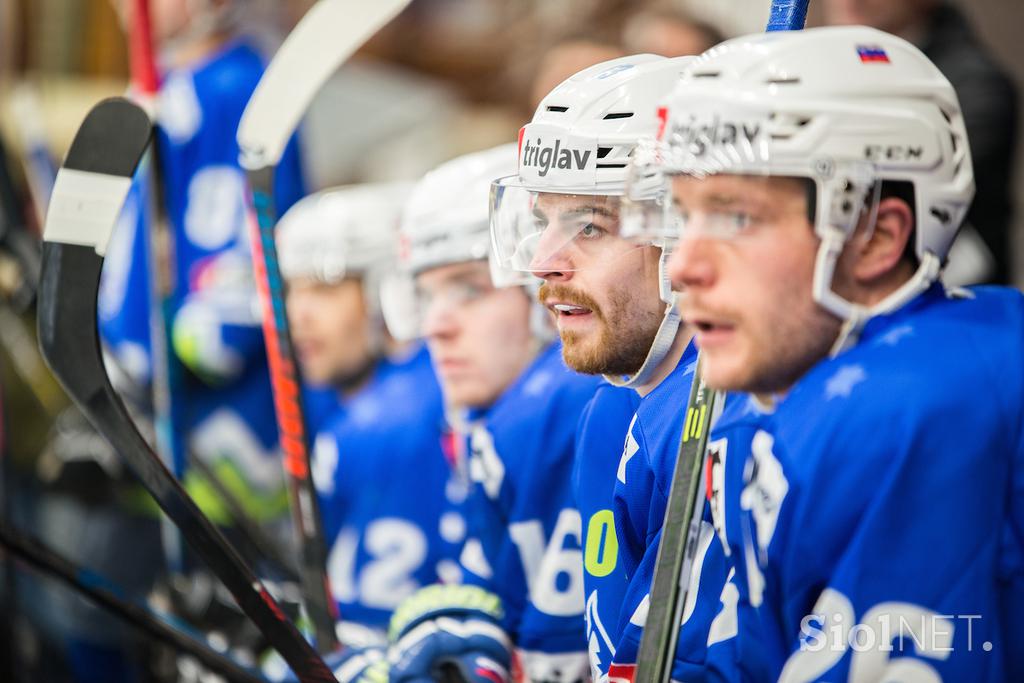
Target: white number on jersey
[(544, 561), (397, 548)]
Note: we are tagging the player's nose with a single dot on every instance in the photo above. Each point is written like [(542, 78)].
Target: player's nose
[(691, 264), (551, 260), (439, 321)]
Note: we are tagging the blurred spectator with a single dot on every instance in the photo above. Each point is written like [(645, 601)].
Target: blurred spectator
[(987, 95), (566, 58), (668, 33), (221, 395)]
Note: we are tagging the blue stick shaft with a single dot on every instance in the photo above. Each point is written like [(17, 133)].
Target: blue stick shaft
[(787, 15)]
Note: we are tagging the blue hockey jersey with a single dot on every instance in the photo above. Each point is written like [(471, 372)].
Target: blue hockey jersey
[(223, 400), (525, 542), (875, 516), (644, 479), (600, 434), (383, 482)]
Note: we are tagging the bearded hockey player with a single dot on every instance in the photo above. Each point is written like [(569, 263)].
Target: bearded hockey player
[(517, 405), (223, 397), (871, 507), (378, 462), (559, 219)]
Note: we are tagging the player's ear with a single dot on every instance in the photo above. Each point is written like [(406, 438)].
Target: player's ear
[(877, 257)]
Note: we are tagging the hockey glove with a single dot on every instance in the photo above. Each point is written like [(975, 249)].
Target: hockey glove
[(450, 633)]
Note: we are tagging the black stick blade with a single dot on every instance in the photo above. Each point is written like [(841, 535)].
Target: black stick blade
[(95, 150), (75, 237)]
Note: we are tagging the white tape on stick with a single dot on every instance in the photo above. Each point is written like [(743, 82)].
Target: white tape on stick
[(84, 208)]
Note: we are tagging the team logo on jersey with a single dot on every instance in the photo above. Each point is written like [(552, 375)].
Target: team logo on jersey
[(715, 486), (762, 496), (485, 466), (766, 488)]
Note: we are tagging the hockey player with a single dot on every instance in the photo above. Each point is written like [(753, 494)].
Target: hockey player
[(517, 406), (559, 219), (223, 398), (378, 463), (871, 507)]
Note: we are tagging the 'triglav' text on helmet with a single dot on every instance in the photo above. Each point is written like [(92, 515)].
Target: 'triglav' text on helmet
[(579, 145), (844, 106), (445, 222), (344, 232)]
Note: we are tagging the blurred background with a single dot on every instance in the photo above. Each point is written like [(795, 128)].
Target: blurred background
[(449, 76), (446, 78), (452, 76)]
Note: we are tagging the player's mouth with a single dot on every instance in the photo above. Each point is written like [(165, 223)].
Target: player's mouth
[(709, 332), (569, 315), (569, 310), (449, 365)]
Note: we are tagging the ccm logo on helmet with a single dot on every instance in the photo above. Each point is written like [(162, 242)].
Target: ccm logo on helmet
[(546, 158), (699, 137), (893, 152)]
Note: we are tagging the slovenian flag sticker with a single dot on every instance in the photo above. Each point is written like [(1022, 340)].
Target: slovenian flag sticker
[(872, 54)]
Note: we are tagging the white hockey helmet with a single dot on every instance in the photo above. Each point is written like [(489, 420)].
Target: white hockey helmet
[(846, 107), (343, 232), (444, 222), (579, 144)]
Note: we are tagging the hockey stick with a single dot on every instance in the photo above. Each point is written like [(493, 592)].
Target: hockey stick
[(329, 33), (145, 81), (679, 536), (249, 531), (681, 528), (91, 188), (787, 15), (103, 593)]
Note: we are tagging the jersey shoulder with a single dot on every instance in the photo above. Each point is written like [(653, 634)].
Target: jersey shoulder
[(919, 363), (546, 400), (607, 413), (599, 438), (945, 377), (402, 394)]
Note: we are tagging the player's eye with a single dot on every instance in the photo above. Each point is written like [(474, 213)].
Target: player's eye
[(739, 220), (470, 291)]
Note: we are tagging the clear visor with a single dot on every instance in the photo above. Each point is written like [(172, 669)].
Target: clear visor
[(416, 306), (542, 232), (673, 193)]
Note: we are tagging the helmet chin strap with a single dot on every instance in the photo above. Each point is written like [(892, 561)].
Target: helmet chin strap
[(663, 338), (856, 316)]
